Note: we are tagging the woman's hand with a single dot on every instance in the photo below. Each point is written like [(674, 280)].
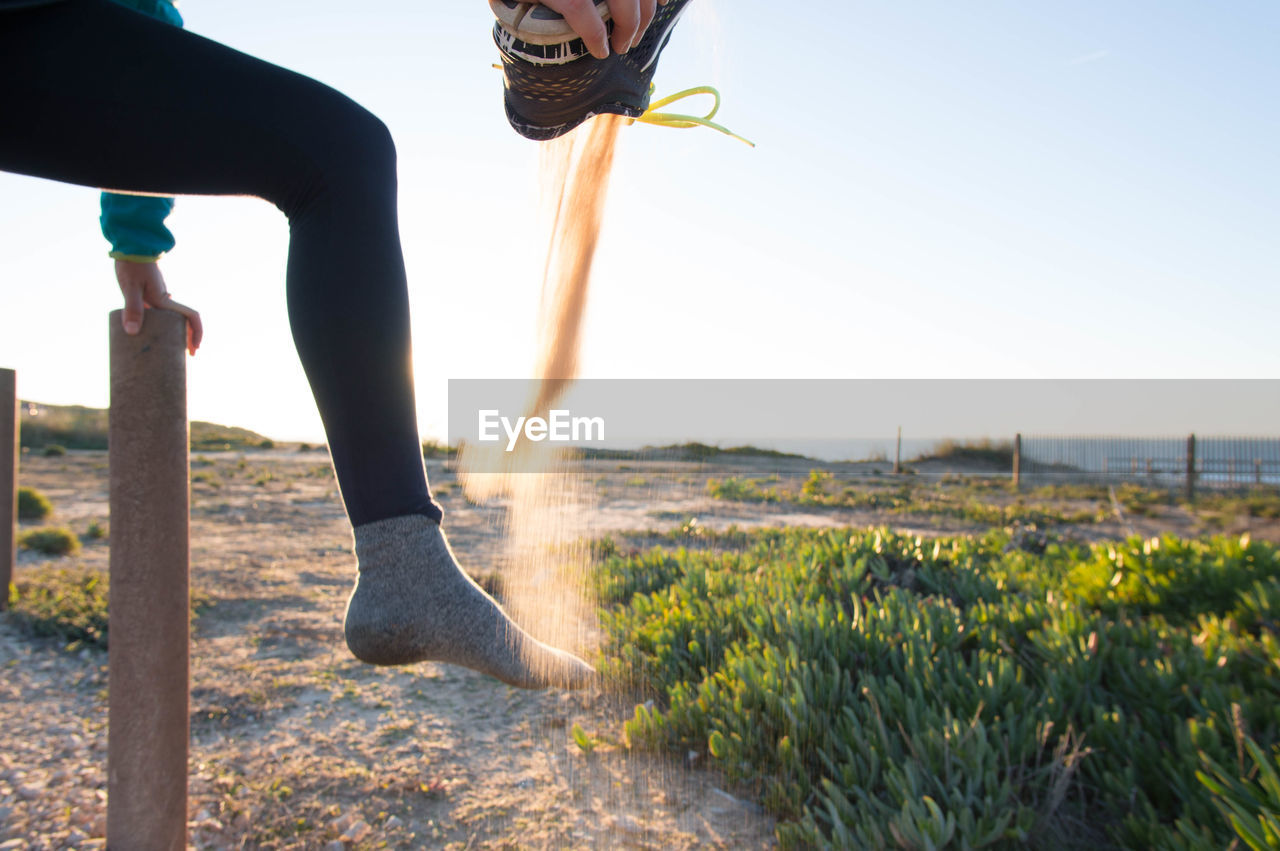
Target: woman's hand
[(143, 286), (630, 20)]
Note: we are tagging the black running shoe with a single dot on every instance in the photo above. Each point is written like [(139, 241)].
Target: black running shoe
[(553, 83)]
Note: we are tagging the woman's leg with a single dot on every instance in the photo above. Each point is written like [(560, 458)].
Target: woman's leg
[(93, 93), (96, 94)]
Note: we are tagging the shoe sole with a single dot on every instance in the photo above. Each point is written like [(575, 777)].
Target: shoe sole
[(534, 23), (551, 89)]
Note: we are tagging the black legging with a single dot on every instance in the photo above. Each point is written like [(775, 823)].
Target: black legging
[(96, 94)]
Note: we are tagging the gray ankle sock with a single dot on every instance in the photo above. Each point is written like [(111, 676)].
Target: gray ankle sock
[(413, 603)]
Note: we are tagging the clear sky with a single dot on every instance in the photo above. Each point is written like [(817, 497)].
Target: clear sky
[(941, 189)]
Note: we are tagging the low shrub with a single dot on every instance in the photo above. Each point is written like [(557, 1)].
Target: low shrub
[(33, 505), (877, 690), (206, 477), (54, 451), (1262, 503), (997, 453), (50, 540), (70, 604), (952, 497), (742, 490), (436, 449)]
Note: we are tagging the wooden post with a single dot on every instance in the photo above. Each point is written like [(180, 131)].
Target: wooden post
[(1191, 468), (8, 481), (148, 634), (897, 455), (1017, 460)]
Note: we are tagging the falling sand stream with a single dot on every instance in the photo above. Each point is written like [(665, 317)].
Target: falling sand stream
[(545, 574)]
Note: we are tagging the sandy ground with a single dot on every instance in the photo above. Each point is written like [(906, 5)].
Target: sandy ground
[(294, 744)]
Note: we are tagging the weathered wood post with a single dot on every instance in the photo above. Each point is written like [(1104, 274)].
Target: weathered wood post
[(1017, 460), (8, 480), (149, 611), (897, 455), (1191, 468)]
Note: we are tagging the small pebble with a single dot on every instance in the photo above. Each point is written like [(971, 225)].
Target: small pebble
[(356, 832)]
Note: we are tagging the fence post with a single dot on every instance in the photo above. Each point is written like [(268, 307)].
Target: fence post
[(897, 455), (8, 480), (148, 725), (1191, 468), (1017, 460)]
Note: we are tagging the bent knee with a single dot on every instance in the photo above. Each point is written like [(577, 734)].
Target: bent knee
[(351, 156), (364, 150), (371, 140)]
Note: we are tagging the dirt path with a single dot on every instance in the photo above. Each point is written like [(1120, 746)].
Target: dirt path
[(297, 745)]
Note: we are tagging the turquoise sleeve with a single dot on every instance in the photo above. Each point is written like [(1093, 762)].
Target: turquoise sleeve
[(134, 224), (163, 9)]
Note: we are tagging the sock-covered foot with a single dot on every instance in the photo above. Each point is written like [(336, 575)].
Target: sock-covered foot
[(413, 603)]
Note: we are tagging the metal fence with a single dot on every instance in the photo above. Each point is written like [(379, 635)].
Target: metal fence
[(1182, 462)]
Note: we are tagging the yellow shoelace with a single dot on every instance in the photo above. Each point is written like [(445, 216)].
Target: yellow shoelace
[(654, 115)]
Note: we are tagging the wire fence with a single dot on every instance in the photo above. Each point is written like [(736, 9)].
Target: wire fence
[(1187, 462)]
